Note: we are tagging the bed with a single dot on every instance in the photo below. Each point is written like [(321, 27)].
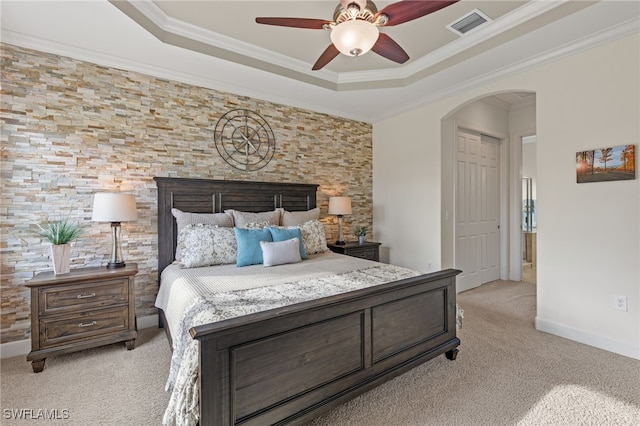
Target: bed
[(290, 363)]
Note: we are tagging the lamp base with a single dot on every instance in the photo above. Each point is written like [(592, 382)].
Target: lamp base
[(115, 261), (340, 243)]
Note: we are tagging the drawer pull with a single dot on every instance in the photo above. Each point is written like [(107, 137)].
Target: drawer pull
[(92, 323), (86, 296)]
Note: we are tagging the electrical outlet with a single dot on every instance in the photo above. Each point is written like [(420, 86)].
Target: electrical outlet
[(620, 302)]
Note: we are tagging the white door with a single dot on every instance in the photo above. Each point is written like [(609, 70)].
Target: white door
[(477, 230)]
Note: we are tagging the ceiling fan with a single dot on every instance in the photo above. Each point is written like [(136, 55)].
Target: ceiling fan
[(354, 29)]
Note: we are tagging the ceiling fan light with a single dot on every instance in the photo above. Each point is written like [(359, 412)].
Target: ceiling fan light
[(354, 37)]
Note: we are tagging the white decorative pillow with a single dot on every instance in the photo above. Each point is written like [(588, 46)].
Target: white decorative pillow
[(280, 252), (313, 237), (243, 219), (185, 218), (206, 245), (298, 218)]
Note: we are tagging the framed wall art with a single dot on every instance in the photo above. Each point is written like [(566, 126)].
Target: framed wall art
[(606, 164)]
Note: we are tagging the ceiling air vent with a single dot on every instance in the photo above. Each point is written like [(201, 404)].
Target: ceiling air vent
[(468, 22)]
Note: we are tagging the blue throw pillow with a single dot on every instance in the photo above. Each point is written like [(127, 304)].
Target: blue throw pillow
[(283, 234), (248, 239)]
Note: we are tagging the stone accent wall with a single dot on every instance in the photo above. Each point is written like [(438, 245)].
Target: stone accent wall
[(72, 128)]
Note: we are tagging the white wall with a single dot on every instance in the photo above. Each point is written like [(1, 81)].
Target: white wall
[(407, 171), (588, 234)]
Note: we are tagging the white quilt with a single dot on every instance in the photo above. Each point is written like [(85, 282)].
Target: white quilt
[(180, 286), (191, 297)]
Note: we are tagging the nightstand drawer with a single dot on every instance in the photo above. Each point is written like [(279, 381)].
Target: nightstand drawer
[(368, 250), (364, 253), (104, 321), (85, 296)]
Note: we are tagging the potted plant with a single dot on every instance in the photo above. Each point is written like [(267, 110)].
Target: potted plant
[(361, 233), (60, 233)]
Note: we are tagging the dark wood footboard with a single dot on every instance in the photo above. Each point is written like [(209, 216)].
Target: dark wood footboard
[(287, 365)]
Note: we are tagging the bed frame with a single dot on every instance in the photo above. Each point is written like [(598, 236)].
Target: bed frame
[(288, 365)]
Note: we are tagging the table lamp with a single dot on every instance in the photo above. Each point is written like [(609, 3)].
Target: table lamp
[(114, 208), (340, 206)]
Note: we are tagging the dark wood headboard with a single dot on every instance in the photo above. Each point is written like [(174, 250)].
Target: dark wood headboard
[(216, 196)]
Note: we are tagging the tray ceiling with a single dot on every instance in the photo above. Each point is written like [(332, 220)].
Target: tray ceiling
[(217, 44)]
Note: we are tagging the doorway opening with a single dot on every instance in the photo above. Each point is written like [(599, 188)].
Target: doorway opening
[(505, 117), (529, 209)]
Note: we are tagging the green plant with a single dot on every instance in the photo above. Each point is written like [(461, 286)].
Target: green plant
[(361, 231), (59, 231)]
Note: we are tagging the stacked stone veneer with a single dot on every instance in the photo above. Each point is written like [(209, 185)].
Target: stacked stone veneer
[(72, 128)]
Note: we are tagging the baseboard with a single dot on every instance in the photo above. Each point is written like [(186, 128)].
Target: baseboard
[(17, 348), (149, 321), (23, 347), (591, 339)]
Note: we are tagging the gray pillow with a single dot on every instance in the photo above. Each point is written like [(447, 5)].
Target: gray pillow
[(185, 218), (298, 218), (280, 252), (244, 219)]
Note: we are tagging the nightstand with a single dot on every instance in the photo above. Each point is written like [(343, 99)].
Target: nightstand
[(367, 250), (85, 308)]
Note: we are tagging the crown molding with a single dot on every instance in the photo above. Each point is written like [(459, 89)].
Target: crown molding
[(183, 34), (171, 25), (466, 42), (147, 14), (317, 99)]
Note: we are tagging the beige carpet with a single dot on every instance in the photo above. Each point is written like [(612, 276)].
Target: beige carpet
[(101, 386), (506, 374)]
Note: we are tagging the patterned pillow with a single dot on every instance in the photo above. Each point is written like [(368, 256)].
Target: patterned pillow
[(206, 245), (298, 218), (280, 252), (263, 224), (185, 218), (242, 219), (313, 236)]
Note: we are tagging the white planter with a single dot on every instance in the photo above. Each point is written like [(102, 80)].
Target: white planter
[(61, 256)]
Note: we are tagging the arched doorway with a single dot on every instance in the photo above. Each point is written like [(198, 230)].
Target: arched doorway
[(504, 117)]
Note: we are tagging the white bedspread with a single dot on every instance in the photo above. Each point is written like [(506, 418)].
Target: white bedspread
[(191, 297), (181, 286)]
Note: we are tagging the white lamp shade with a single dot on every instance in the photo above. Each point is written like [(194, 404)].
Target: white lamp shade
[(354, 37), (339, 205), (113, 207)]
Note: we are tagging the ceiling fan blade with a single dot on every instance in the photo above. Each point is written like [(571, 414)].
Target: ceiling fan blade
[(327, 56), (385, 46), (313, 24), (408, 10)]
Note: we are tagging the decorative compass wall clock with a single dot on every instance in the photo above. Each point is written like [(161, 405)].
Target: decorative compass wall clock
[(244, 140)]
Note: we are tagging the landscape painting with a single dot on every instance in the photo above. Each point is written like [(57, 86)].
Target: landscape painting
[(606, 164)]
